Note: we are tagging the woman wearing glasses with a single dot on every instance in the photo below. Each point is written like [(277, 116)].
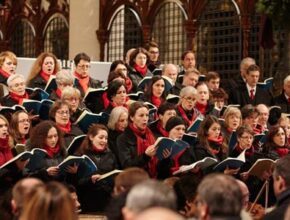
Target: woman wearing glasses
[(60, 114), (82, 74), (44, 66), (185, 107), (19, 127)]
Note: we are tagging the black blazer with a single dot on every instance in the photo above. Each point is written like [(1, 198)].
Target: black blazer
[(37, 82), (281, 101), (261, 97)]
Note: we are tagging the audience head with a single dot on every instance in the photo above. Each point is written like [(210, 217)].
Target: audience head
[(165, 111), (96, 139), (157, 213), (118, 119), (188, 96), (188, 59), (19, 126), (82, 64), (286, 85), (16, 84), (190, 77), (8, 62), (252, 75), (233, 118), (202, 96), (22, 192), (47, 134), (59, 112), (171, 71), (46, 62), (119, 65), (245, 193), (213, 80), (153, 51), (139, 115), (281, 175), (64, 79), (219, 195), (72, 97), (73, 192), (147, 194), (52, 201), (245, 135), (244, 65), (139, 57), (116, 93), (125, 180), (175, 126)]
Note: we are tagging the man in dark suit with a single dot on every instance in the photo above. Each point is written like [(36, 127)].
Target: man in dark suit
[(188, 62), (240, 79), (250, 93), (283, 100)]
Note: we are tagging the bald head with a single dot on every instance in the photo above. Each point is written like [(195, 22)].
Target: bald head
[(245, 192), (171, 71), (159, 213)]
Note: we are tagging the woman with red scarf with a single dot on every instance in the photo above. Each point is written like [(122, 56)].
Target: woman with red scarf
[(136, 144), (5, 148), (95, 146), (8, 63), (46, 135), (44, 66), (185, 106), (138, 70), (60, 113), (117, 95), (155, 93), (276, 145), (211, 143), (202, 99), (17, 92)]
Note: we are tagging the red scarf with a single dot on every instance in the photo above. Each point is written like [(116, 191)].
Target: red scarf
[(4, 73), (156, 101), (98, 151), (145, 138), (52, 151), (161, 129), (44, 75), (141, 70), (84, 81), (201, 107), (129, 84), (184, 116), (282, 151), (18, 98), (58, 92), (215, 144), (105, 99), (5, 151), (66, 129)]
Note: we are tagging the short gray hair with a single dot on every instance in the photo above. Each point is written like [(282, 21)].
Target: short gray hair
[(64, 76), (150, 193), (13, 77), (115, 115), (188, 90)]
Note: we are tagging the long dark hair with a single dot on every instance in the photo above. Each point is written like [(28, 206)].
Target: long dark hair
[(149, 91), (270, 144)]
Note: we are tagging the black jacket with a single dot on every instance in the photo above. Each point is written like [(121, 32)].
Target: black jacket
[(127, 149), (136, 77), (37, 82), (281, 101)]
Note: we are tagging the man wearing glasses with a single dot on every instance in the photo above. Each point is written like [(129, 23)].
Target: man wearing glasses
[(82, 75)]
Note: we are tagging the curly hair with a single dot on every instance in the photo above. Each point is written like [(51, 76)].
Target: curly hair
[(37, 66)]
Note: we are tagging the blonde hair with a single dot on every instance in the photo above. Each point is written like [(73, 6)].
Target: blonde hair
[(7, 54), (232, 111), (70, 92)]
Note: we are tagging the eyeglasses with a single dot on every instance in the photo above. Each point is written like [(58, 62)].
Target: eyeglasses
[(63, 112), (189, 99), (24, 120), (84, 66)]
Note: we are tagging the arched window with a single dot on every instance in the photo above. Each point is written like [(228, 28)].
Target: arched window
[(23, 39), (219, 38), (56, 37), (168, 31), (125, 33)]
